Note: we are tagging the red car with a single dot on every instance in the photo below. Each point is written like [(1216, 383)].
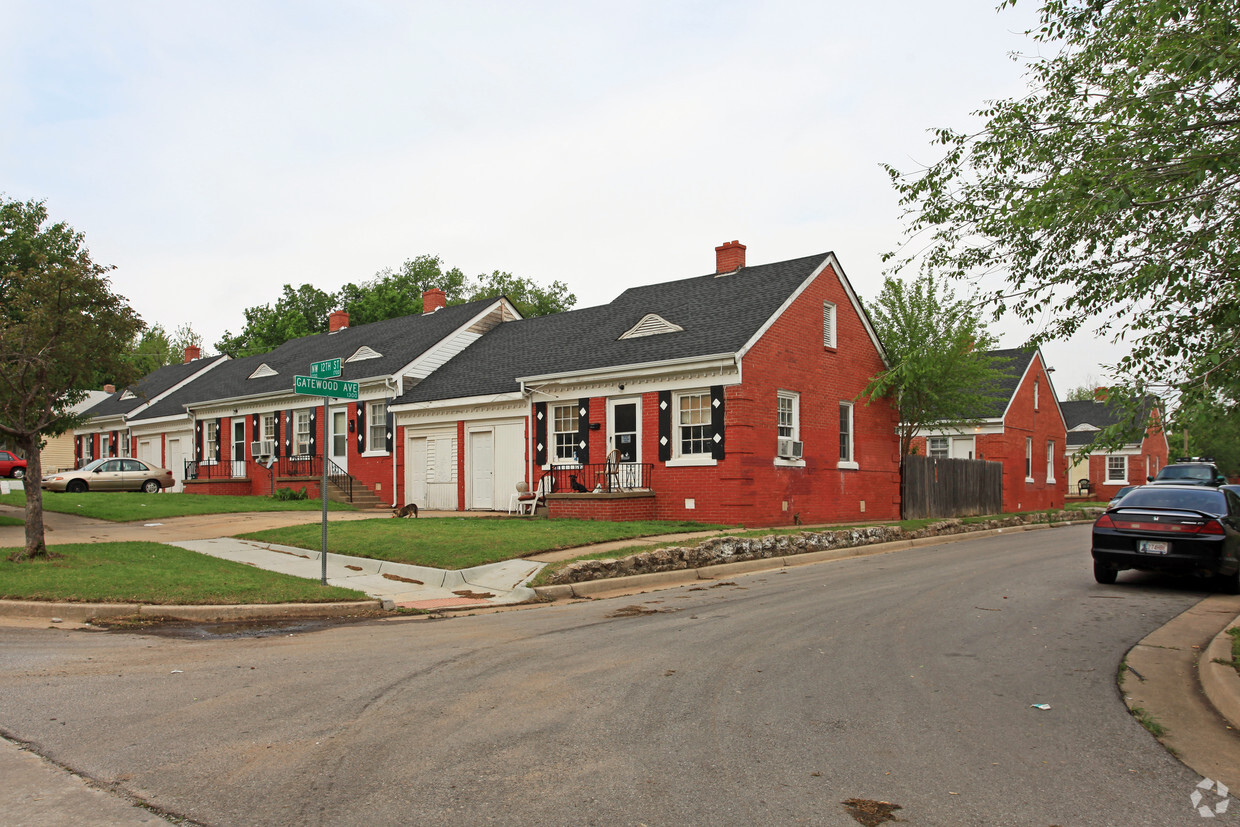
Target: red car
[(11, 465)]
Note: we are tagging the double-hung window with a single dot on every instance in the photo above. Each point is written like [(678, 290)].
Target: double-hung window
[(301, 433), (376, 426), (693, 425), (788, 411), (1050, 460), (268, 426), (210, 440), (1117, 468), (1029, 458), (564, 421), (938, 446), (105, 442), (846, 436)]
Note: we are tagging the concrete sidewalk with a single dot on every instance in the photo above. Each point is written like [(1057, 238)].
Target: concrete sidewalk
[(399, 584)]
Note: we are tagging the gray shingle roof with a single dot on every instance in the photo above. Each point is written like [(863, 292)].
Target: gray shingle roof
[(1098, 414), (1013, 363), (150, 386), (719, 314), (399, 340)]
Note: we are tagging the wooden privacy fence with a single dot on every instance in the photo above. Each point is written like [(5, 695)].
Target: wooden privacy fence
[(941, 487)]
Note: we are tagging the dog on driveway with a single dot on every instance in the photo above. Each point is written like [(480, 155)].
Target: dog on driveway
[(410, 510)]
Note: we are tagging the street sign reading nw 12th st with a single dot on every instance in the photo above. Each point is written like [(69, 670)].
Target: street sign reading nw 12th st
[(335, 388), (327, 369)]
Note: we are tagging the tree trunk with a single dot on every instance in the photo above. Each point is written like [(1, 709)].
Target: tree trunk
[(35, 546)]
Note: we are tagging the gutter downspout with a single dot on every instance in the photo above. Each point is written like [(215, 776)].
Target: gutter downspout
[(395, 445)]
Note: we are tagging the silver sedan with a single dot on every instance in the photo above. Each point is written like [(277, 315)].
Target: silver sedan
[(111, 474)]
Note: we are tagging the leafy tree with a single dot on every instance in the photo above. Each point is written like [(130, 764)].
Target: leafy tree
[(1109, 194), (389, 295), (935, 343), (152, 350), (1086, 392), (60, 327)]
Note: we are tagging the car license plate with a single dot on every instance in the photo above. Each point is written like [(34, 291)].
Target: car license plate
[(1153, 546)]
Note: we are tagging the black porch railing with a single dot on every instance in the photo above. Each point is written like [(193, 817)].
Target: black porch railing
[(215, 470), (597, 477), (306, 467)]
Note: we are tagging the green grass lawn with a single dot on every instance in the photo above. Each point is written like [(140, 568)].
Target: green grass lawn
[(7, 520), (153, 573), (461, 542), (124, 506)]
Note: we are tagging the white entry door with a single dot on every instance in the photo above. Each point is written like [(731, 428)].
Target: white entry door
[(178, 452), (415, 472), (338, 441), (481, 470), (624, 434)]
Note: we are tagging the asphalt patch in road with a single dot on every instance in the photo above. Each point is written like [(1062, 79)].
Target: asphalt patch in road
[(871, 813)]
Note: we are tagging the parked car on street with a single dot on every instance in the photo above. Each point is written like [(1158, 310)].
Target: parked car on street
[(1119, 495), (111, 474), (1189, 471), (1178, 529), (11, 465)]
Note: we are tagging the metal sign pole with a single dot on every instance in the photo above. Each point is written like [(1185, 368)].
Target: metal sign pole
[(327, 401)]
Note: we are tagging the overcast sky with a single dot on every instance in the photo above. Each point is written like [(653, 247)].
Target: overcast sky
[(214, 152)]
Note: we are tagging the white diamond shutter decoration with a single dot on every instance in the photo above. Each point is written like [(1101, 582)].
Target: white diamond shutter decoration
[(540, 433), (665, 426)]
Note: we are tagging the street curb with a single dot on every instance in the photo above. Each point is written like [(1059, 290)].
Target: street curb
[(249, 611), (610, 586), (1221, 683)]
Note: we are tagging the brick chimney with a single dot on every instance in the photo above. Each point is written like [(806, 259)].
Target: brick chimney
[(338, 320), (192, 352), (729, 257), (1100, 394), (109, 388), (433, 300)]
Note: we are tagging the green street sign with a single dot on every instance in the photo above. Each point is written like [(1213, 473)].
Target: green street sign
[(328, 369), (335, 388)]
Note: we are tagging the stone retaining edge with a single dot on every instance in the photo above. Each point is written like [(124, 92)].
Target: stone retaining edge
[(679, 577), (80, 612), (1221, 683)]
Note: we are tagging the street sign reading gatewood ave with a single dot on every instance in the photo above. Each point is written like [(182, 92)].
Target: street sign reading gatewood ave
[(335, 388)]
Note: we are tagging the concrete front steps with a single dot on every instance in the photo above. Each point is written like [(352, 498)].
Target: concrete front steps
[(363, 497)]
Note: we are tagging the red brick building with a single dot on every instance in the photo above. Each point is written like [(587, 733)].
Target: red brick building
[(727, 397), (1023, 428), (1107, 470)]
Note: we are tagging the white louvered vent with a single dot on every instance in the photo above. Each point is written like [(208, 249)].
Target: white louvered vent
[(828, 324), (364, 353), (263, 370), (127, 395), (652, 324)]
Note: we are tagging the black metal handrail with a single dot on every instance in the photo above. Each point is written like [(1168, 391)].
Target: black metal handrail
[(597, 477), (340, 478)]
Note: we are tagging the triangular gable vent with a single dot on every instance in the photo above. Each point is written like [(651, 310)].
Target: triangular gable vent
[(263, 370), (652, 324), (127, 395), (1085, 426), (364, 352)]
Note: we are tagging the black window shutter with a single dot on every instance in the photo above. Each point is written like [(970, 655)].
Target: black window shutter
[(390, 422), (665, 426), (314, 431), (77, 449), (540, 433), (583, 430), (276, 436), (716, 422), (255, 425), (198, 440), (290, 431), (114, 441), (219, 438), (360, 423)]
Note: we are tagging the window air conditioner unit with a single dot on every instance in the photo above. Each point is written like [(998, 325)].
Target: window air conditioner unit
[(790, 448), (262, 449)]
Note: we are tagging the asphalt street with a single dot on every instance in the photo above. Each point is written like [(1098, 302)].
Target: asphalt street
[(768, 699)]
